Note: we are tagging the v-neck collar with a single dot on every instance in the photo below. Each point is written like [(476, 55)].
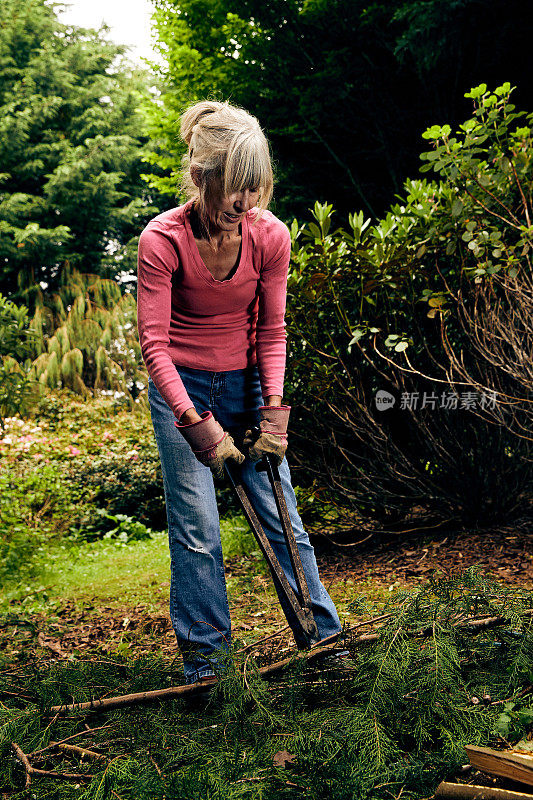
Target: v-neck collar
[(198, 260)]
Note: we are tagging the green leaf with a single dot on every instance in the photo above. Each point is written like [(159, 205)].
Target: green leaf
[(294, 229), (457, 207), (357, 335), (503, 724), (477, 91)]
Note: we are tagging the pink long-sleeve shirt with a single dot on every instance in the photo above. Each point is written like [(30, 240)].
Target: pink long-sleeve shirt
[(187, 318)]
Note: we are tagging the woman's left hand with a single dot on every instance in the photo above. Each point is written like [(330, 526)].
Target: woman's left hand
[(272, 439)]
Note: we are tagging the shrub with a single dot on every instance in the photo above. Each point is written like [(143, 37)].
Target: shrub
[(124, 486), (37, 506), (379, 308), (98, 524), (86, 337), (17, 390)]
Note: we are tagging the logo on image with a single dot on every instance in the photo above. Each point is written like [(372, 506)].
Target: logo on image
[(384, 400)]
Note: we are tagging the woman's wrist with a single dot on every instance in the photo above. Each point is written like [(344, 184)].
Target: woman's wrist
[(189, 417), (273, 400)]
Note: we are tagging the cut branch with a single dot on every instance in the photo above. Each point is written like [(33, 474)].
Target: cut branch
[(82, 752), (52, 745), (190, 690), (462, 791), (507, 764), (32, 772)]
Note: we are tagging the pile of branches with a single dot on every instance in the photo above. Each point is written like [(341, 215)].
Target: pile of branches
[(445, 665)]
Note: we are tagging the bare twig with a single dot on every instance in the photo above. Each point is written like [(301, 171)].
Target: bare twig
[(264, 639), (522, 693), (82, 751), (158, 770), (15, 694), (68, 739), (23, 758), (44, 773), (61, 776), (188, 690)]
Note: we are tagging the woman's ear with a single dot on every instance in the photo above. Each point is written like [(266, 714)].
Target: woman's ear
[(196, 175)]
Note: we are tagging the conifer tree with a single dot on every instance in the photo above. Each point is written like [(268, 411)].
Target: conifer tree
[(71, 146), (342, 87)]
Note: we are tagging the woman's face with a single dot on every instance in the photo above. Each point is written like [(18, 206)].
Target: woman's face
[(226, 212)]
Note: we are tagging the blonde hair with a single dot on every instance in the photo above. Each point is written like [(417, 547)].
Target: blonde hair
[(229, 152)]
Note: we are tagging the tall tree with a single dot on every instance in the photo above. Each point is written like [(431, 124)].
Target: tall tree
[(344, 88), (71, 148)]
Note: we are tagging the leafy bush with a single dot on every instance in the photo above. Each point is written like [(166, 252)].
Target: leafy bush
[(37, 506), (98, 524), (17, 390), (86, 337), (381, 307), (126, 485)]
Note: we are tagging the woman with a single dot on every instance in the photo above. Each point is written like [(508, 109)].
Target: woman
[(212, 277)]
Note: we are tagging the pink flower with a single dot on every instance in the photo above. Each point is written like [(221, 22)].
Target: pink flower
[(73, 451), (107, 435)]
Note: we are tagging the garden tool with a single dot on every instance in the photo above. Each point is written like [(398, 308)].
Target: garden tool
[(299, 603)]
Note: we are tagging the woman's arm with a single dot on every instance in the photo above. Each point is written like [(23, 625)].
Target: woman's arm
[(271, 338), (157, 261)]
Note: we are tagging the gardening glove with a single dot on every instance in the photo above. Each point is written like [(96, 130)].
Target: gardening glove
[(210, 443), (272, 439)]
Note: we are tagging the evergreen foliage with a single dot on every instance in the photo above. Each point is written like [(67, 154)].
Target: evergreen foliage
[(343, 87), (71, 142), (397, 721), (17, 390), (86, 337)]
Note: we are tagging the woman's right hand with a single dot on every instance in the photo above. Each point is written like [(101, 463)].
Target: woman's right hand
[(209, 442)]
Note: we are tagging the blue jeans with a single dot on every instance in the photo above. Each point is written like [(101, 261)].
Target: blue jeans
[(198, 600)]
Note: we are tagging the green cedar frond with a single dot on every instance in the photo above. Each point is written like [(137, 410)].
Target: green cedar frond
[(399, 722)]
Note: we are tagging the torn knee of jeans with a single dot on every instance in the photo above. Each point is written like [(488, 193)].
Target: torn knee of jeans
[(191, 540), (196, 549)]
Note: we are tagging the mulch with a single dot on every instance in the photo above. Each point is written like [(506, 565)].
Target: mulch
[(505, 553), (391, 562)]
